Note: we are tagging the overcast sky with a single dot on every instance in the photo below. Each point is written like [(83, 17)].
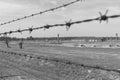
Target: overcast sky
[(12, 9)]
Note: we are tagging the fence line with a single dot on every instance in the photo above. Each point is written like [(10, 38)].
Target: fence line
[(41, 12), (67, 24), (58, 60), (9, 76)]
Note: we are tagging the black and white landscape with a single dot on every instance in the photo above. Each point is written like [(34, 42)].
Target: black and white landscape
[(59, 40)]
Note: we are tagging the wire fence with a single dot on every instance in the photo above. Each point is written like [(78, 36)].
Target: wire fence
[(31, 56), (41, 12), (9, 76), (102, 17), (67, 24)]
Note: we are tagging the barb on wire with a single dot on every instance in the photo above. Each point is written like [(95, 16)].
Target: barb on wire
[(67, 24), (19, 31), (5, 33), (52, 9), (47, 27), (30, 30), (104, 17), (10, 32)]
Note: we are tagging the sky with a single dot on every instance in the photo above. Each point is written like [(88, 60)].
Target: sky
[(13, 9)]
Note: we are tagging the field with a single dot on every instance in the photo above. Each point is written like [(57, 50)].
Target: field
[(41, 61)]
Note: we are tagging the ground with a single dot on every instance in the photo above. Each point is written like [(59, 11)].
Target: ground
[(38, 61)]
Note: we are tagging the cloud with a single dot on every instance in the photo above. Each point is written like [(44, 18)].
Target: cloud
[(114, 9), (6, 7), (9, 11), (54, 2), (23, 2)]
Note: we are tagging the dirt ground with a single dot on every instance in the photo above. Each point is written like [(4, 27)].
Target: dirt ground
[(38, 61)]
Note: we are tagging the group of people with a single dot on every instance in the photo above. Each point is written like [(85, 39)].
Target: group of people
[(20, 44)]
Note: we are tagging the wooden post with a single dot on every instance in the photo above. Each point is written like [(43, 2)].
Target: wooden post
[(117, 36), (58, 40)]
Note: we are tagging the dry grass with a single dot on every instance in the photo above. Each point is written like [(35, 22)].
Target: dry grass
[(56, 65)]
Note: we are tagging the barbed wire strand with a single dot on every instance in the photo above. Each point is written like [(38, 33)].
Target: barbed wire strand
[(67, 24), (52, 9), (9, 76), (31, 56)]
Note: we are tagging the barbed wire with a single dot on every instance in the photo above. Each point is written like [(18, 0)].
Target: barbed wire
[(9, 76), (31, 56), (41, 12), (67, 24)]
